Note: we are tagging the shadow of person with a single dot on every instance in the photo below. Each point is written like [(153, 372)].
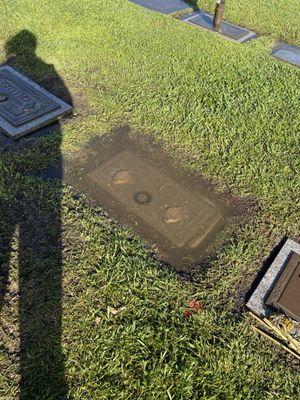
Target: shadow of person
[(30, 216)]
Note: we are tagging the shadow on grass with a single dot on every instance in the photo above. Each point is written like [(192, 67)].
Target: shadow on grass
[(30, 214), (193, 4)]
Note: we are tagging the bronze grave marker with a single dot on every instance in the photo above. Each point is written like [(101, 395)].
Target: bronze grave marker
[(26, 106)]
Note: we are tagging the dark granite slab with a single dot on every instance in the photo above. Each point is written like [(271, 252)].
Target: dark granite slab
[(288, 53), (24, 105), (285, 295), (164, 6), (205, 20)]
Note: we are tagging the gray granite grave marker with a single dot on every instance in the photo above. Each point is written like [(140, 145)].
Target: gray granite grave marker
[(288, 53), (257, 302), (205, 20), (24, 105)]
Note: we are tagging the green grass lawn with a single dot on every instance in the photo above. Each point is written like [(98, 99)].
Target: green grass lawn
[(224, 110)]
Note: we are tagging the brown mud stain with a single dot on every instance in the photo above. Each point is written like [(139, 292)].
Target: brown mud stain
[(178, 213)]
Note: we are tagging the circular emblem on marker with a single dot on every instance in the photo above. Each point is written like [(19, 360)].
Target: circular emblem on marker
[(121, 177), (142, 198), (3, 97), (173, 215)]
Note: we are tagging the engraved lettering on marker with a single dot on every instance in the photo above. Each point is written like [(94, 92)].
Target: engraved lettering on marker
[(24, 103)]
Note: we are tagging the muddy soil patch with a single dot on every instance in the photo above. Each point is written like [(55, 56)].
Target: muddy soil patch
[(178, 213)]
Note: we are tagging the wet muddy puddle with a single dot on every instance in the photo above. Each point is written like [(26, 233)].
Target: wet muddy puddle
[(136, 182)]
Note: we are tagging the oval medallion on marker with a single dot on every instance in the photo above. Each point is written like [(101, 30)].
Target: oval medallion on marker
[(121, 177), (3, 97), (173, 215), (142, 198)]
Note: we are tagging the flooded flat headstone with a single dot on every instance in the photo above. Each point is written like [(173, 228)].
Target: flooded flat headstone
[(288, 53), (164, 6), (280, 286), (136, 182), (24, 105), (177, 214), (205, 20)]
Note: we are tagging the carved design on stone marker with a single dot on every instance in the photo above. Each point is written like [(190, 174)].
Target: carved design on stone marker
[(173, 215), (121, 177), (142, 198), (22, 103)]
